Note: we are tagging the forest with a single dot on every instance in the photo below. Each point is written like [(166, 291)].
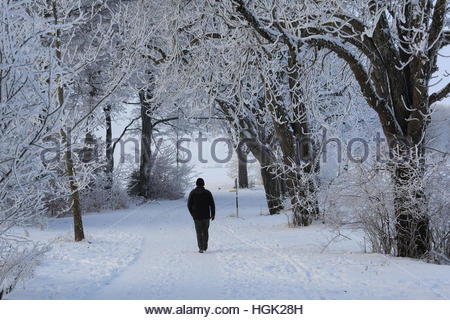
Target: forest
[(340, 107)]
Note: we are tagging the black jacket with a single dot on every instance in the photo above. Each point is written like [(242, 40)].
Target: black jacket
[(201, 204)]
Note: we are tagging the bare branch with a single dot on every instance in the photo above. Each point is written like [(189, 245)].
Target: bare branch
[(442, 94), (123, 133), (437, 24)]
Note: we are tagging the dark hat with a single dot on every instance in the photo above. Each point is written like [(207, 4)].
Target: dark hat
[(200, 182)]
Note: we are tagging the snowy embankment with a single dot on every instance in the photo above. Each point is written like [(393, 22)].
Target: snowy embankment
[(149, 252)]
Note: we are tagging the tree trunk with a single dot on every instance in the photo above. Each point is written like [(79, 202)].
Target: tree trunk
[(146, 162), (296, 184), (242, 169), (271, 182), (109, 151), (410, 207), (271, 187), (258, 146), (306, 175), (75, 196), (88, 153)]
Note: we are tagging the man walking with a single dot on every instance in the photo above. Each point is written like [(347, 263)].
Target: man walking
[(202, 208)]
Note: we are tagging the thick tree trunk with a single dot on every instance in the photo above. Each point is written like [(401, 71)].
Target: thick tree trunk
[(272, 189), (145, 165), (408, 152), (271, 182), (257, 145), (296, 184), (410, 207), (306, 175), (242, 169), (109, 168)]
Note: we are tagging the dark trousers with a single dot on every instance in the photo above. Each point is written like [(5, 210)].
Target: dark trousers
[(201, 227)]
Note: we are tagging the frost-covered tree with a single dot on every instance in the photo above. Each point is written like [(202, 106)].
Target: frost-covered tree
[(84, 40), (27, 116), (392, 49), (234, 67)]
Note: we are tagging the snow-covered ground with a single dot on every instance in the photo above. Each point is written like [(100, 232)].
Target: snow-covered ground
[(149, 252)]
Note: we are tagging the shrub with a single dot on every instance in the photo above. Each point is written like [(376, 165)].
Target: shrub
[(168, 181)]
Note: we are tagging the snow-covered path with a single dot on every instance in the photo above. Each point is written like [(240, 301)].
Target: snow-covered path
[(149, 252), (168, 265)]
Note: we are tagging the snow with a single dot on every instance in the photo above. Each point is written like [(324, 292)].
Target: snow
[(72, 270), (149, 252), (438, 131), (442, 75)]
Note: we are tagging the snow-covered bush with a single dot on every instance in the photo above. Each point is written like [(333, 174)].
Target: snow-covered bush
[(437, 186), (363, 196), (368, 199), (438, 182), (104, 195), (168, 180), (17, 261)]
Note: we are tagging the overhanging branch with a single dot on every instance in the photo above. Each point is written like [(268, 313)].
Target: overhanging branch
[(243, 10)]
